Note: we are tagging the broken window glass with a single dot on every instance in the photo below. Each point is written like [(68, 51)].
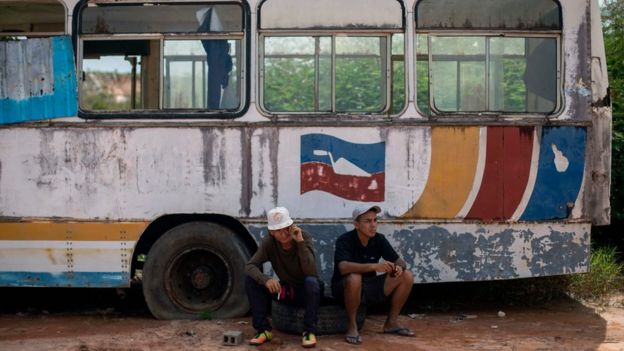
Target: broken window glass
[(161, 56)]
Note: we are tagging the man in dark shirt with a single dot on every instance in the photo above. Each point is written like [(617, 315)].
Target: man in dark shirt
[(291, 253), (356, 264)]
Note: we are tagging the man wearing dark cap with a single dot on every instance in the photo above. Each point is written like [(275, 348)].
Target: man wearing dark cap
[(356, 264)]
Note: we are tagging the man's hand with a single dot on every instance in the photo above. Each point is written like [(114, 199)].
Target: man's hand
[(296, 233), (397, 272), (384, 267), (273, 285)]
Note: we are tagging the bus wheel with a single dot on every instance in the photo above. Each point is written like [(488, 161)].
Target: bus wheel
[(196, 271)]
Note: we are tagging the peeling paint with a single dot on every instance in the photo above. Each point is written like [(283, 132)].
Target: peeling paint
[(246, 168), (213, 156), (468, 252)]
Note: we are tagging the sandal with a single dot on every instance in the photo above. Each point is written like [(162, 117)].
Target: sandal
[(353, 339), (402, 331)]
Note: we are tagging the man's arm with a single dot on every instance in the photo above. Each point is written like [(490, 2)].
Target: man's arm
[(253, 267), (347, 267), (307, 258)]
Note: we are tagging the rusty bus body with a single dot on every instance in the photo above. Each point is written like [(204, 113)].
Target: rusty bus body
[(171, 188)]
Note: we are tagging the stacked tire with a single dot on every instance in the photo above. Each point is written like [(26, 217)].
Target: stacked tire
[(332, 318)]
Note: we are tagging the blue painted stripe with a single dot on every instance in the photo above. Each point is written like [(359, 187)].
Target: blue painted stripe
[(61, 103), (369, 157), (65, 279), (554, 190)]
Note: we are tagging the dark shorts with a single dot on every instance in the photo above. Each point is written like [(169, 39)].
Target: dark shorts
[(372, 289)]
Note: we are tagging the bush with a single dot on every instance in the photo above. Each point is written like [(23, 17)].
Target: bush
[(603, 278)]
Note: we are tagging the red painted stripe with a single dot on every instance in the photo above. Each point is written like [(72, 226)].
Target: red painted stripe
[(506, 173), (321, 176)]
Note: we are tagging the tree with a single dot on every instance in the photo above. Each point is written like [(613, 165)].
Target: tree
[(613, 29)]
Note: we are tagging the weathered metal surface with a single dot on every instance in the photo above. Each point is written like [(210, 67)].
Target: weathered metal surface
[(457, 156), (577, 78), (599, 180), (140, 170), (348, 14), (488, 14), (37, 79), (444, 252), (119, 173), (76, 254), (506, 174), (560, 174), (417, 173)]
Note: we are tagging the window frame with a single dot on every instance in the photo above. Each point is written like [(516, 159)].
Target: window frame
[(333, 34), (487, 33), (41, 34), (434, 112), (243, 36)]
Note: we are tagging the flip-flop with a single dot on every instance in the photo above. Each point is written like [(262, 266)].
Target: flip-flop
[(353, 339), (402, 331)]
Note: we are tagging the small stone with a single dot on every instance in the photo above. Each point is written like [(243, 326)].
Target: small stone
[(190, 332), (494, 326), (416, 316), (242, 322), (501, 314)]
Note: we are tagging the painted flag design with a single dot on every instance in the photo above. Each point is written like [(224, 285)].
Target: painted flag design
[(348, 170)]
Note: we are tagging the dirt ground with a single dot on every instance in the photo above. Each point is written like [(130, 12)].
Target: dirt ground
[(81, 321)]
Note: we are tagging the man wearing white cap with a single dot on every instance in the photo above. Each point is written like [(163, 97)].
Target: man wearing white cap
[(356, 264), (291, 253)]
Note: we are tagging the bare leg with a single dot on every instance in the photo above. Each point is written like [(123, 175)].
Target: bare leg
[(399, 289), (352, 296)]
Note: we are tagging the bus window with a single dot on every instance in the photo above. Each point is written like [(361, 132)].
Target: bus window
[(161, 57), (31, 18), (398, 99), (348, 63), (499, 71)]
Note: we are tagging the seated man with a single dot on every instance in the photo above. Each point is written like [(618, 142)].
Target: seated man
[(356, 261), (291, 253)]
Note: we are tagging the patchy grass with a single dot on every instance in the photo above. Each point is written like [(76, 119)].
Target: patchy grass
[(604, 276)]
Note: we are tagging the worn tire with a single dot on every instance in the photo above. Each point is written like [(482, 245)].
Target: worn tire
[(332, 318), (196, 271)]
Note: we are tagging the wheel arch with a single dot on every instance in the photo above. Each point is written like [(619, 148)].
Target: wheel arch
[(161, 225)]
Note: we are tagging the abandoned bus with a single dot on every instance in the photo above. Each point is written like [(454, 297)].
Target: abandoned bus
[(142, 142)]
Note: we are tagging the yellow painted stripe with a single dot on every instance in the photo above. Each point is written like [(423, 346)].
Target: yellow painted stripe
[(454, 156), (88, 231)]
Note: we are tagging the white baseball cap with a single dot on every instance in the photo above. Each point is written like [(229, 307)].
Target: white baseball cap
[(362, 209), (279, 218)]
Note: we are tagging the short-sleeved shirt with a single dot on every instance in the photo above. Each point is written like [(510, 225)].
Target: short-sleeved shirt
[(349, 248)]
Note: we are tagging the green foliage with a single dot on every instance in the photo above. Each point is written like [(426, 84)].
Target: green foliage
[(613, 28), (398, 87), (358, 85), (206, 316), (603, 278), (513, 85), (617, 168), (289, 85), (422, 86)]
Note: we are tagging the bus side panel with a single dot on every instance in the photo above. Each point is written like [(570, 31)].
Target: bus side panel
[(69, 254), (449, 252), (37, 79), (120, 173), (421, 173)]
